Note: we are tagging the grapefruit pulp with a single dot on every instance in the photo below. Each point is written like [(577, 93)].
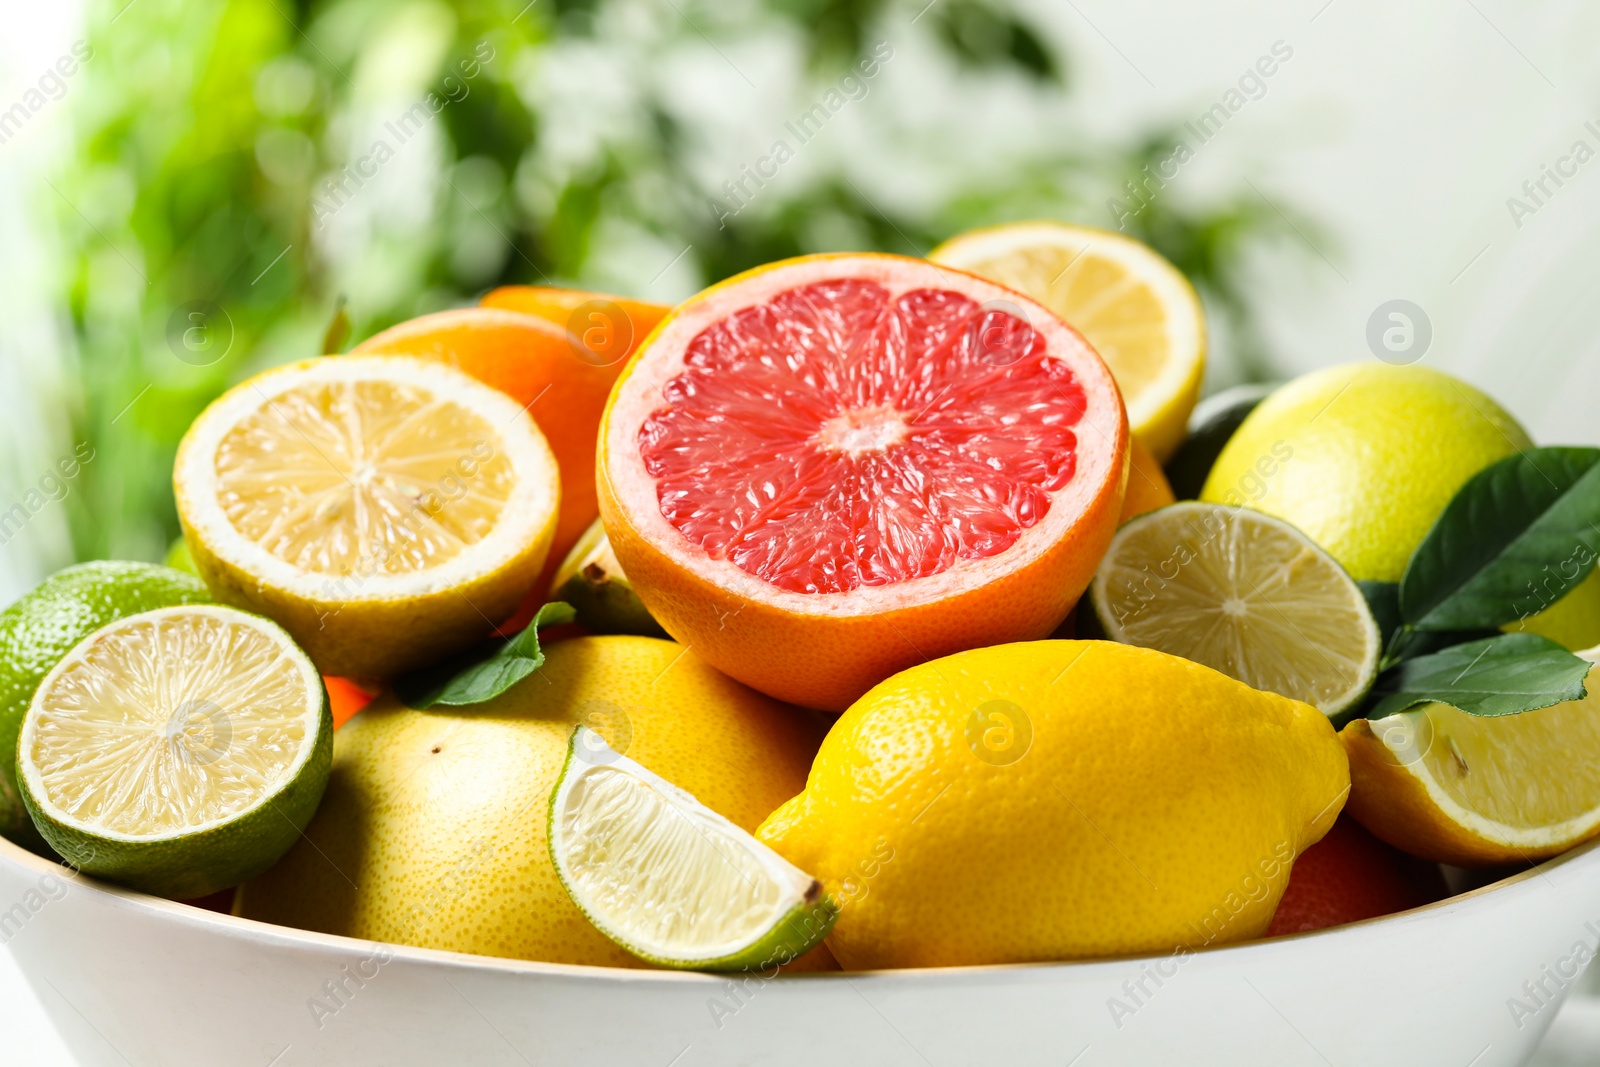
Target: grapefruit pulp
[(828, 469)]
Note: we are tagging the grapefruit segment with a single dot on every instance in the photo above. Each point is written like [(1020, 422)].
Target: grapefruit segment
[(883, 459)]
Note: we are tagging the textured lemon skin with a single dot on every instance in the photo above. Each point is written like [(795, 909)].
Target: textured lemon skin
[(437, 818), (1363, 457), (1158, 804)]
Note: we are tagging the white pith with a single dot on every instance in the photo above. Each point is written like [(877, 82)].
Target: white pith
[(639, 393), (524, 515), (633, 850), (209, 681)]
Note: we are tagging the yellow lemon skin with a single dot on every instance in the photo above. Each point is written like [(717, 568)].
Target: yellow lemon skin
[(432, 830), (1055, 800), (1363, 457), (1573, 622)]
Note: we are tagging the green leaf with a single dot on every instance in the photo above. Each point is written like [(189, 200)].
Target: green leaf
[(1502, 675), (484, 672), (1514, 540)]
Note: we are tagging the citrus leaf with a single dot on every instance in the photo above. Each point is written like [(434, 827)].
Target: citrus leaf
[(484, 672), (1516, 538), (1502, 675)]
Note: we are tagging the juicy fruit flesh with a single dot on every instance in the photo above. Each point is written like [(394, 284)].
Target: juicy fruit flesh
[(385, 477), (677, 885), (1232, 590), (836, 437), (1530, 770), (167, 723), (1114, 309)]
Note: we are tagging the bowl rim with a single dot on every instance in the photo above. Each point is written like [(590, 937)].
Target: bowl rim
[(254, 930)]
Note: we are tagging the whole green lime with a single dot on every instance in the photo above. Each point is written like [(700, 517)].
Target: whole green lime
[(1362, 458), (44, 625)]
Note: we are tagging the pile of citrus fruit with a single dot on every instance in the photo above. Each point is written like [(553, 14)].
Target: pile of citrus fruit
[(843, 616)]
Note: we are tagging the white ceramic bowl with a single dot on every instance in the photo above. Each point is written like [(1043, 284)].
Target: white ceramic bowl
[(133, 980)]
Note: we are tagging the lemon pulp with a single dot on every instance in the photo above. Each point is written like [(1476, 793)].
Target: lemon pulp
[(330, 475)]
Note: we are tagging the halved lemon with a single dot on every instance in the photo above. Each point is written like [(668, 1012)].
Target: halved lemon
[(387, 511), (1243, 593), (1480, 791), (179, 751), (669, 879), (1137, 310)]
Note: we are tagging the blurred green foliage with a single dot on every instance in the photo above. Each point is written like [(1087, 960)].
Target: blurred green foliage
[(226, 194)]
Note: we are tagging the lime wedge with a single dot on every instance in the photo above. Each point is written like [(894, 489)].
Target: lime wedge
[(1243, 593), (178, 751), (669, 879)]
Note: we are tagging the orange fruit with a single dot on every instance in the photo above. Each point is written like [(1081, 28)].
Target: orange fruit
[(1148, 488), (1350, 875), (831, 468), (345, 698), (606, 325), (534, 363)]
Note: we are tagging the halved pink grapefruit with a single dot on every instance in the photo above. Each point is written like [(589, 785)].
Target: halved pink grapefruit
[(828, 469)]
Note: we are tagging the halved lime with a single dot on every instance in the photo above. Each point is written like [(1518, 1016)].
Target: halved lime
[(1243, 593), (43, 625), (178, 751), (669, 879)]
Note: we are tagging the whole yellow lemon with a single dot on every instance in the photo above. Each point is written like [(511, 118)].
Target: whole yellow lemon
[(1363, 457), (1058, 799), (432, 830)]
